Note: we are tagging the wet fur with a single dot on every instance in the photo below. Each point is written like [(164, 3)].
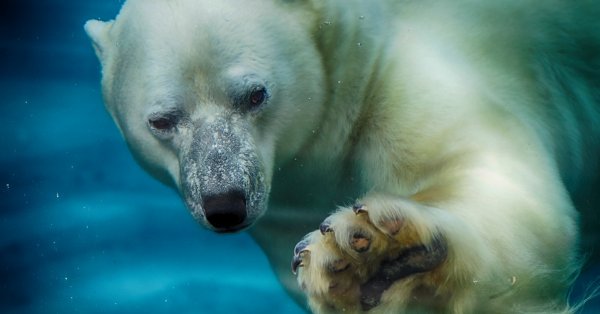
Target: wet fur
[(473, 119)]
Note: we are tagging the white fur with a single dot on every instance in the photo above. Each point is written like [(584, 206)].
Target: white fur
[(484, 113)]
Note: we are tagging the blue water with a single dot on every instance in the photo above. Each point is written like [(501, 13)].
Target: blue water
[(82, 228)]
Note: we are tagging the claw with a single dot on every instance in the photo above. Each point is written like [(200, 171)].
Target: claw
[(359, 209), (325, 227), (301, 246), (297, 261), (299, 252)]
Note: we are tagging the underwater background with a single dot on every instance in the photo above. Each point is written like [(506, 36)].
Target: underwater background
[(82, 228)]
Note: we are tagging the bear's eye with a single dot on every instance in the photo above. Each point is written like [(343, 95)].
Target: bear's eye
[(163, 123), (258, 96)]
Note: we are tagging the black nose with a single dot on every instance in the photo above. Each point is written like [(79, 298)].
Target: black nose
[(226, 212)]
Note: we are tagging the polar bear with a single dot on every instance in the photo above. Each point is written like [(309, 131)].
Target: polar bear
[(450, 137)]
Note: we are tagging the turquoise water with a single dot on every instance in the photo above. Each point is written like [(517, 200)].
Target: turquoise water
[(82, 228)]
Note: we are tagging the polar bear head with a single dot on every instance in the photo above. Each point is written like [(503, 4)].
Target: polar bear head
[(210, 94)]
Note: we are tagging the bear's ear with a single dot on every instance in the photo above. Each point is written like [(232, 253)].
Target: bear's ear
[(98, 32)]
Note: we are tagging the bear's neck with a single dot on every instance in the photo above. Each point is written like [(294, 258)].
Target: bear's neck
[(352, 42), (352, 39)]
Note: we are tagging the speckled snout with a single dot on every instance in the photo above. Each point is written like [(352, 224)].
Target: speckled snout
[(222, 177)]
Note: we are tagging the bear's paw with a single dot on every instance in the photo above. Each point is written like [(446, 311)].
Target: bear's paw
[(382, 246)]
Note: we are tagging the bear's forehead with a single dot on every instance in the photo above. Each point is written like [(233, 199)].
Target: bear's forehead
[(192, 33), (174, 16)]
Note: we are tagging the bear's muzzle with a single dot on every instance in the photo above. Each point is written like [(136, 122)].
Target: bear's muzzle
[(222, 180)]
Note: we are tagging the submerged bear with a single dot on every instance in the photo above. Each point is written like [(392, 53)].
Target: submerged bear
[(450, 136)]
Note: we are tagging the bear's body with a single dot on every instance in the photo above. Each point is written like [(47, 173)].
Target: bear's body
[(463, 128)]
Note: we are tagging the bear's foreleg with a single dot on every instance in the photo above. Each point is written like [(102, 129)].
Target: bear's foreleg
[(389, 254)]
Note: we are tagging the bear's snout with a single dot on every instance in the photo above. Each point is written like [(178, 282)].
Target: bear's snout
[(221, 176), (226, 212)]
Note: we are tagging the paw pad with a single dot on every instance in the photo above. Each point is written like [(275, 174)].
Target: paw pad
[(392, 227), (360, 242)]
